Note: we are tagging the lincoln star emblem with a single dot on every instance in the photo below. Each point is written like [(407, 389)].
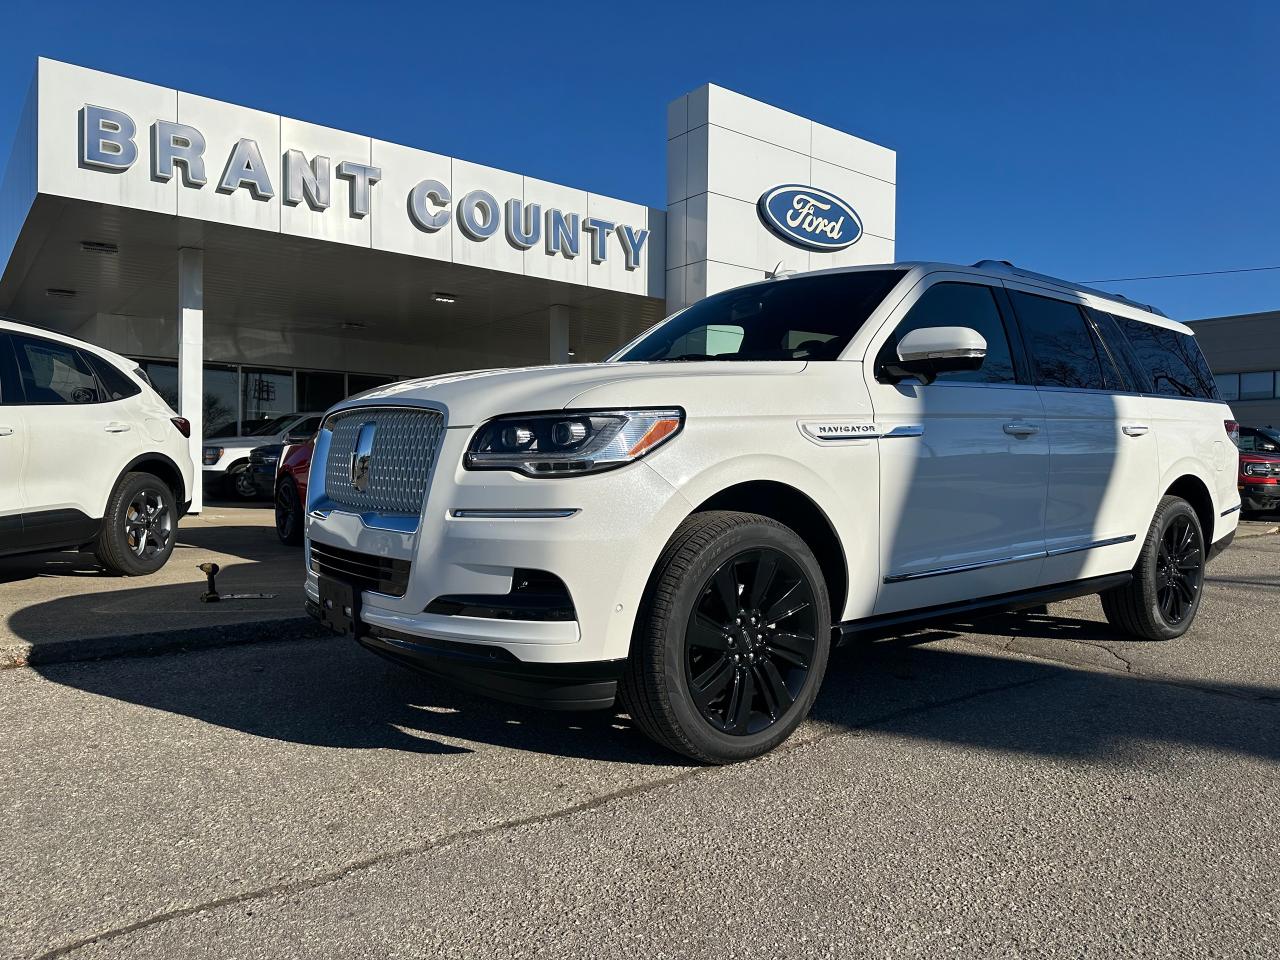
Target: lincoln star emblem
[(362, 456)]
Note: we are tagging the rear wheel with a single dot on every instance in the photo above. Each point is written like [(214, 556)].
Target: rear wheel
[(1162, 600), (732, 642), (138, 526), (288, 513)]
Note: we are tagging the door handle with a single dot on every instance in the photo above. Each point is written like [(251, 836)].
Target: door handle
[(117, 427), (1134, 429), (6, 431), (1017, 429)]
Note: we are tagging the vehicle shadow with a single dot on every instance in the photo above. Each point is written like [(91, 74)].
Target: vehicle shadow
[(331, 693)]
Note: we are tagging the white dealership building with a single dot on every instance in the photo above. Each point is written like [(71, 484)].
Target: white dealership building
[(254, 264)]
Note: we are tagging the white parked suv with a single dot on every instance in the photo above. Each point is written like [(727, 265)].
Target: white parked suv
[(90, 456), (225, 460), (690, 526)]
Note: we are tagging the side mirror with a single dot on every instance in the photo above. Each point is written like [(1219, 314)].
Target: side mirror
[(298, 438), (929, 351)]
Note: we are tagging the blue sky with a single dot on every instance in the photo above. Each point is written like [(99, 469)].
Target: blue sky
[(1090, 140)]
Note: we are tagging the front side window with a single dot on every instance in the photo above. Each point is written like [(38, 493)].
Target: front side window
[(1062, 345), (800, 318), (959, 305), (1172, 360), (54, 373)]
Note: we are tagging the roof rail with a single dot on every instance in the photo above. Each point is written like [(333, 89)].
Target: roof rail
[(1005, 266)]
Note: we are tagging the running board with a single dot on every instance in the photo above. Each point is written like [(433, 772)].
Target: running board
[(887, 624)]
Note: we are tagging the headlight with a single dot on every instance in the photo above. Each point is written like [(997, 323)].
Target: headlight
[(571, 442), (212, 455)]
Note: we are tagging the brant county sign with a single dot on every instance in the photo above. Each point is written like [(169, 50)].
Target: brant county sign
[(109, 142), (810, 218)]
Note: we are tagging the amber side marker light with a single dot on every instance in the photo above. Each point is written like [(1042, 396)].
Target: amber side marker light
[(660, 430)]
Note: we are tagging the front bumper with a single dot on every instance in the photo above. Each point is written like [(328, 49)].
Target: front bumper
[(495, 672), (600, 534), (1260, 496)]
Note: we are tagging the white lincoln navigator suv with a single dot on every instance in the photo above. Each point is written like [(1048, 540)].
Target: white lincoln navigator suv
[(689, 527)]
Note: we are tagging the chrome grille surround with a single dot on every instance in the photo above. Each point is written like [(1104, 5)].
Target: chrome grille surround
[(405, 443)]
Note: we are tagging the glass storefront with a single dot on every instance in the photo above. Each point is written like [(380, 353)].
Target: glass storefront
[(235, 398)]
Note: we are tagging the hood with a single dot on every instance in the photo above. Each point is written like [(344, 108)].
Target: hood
[(475, 396), (246, 443)]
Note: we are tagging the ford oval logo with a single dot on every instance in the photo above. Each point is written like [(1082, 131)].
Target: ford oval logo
[(809, 217)]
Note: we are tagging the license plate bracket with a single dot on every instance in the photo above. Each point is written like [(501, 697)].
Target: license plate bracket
[(339, 606)]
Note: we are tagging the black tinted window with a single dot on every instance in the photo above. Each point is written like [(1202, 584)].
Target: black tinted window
[(801, 318), (1061, 343), (1259, 441), (113, 380), (10, 388), (1172, 360), (54, 372), (959, 305)]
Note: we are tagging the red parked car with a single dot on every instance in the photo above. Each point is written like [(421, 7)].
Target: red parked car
[(1259, 478), (291, 491)]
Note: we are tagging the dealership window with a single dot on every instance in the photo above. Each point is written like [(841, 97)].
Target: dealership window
[(1258, 386), (221, 401), (265, 394), (1228, 385), (320, 391), (360, 382), (164, 378)]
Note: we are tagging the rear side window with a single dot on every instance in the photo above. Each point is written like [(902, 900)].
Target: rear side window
[(1172, 360), (1063, 347), (959, 305), (10, 388), (116, 384), (54, 373)]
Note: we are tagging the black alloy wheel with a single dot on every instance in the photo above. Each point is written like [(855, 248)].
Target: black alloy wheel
[(1179, 570), (750, 641), (731, 639), (1161, 600)]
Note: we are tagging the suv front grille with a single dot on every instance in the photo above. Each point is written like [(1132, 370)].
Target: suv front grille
[(404, 450), (364, 571)]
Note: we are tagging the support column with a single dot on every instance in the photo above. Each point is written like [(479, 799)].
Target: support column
[(558, 340), (191, 359)]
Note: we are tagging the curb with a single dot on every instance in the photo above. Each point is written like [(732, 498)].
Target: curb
[(1243, 532), (97, 648)]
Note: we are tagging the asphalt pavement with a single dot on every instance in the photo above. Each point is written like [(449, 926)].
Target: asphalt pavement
[(1022, 786)]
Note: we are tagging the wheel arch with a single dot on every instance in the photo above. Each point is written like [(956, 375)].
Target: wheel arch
[(1195, 491), (797, 510), (158, 465)]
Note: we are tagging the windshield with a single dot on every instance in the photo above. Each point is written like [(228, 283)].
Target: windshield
[(793, 318), (266, 428)]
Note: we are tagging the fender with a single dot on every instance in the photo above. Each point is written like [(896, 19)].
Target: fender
[(183, 495), (857, 531)]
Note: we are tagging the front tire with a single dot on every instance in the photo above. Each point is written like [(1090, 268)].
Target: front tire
[(732, 640), (288, 513), (139, 526), (1162, 600)]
